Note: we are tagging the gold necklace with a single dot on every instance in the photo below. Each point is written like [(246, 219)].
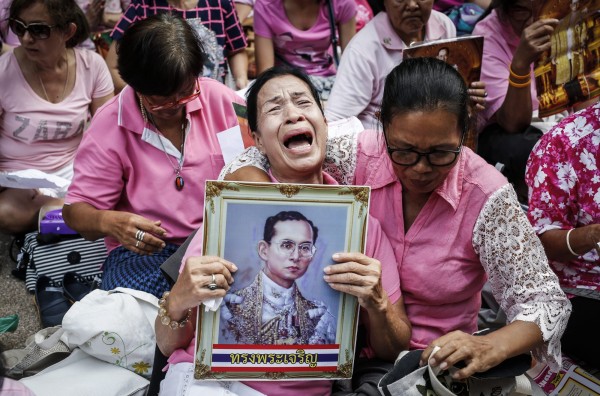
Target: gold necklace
[(179, 182), (64, 87)]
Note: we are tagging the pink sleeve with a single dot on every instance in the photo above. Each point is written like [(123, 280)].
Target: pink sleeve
[(380, 248), (103, 82), (550, 206), (194, 248), (262, 14), (344, 10), (99, 186)]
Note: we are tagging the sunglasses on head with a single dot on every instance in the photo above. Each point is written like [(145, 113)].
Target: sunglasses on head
[(37, 30)]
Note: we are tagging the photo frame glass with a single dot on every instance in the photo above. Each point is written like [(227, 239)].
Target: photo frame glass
[(280, 320)]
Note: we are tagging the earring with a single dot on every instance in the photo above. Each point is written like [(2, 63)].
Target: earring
[(143, 110)]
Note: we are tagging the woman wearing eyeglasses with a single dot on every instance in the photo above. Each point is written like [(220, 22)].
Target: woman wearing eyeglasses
[(49, 89), (140, 170), (454, 221)]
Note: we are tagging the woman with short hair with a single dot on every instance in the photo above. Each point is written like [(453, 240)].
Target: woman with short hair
[(140, 171)]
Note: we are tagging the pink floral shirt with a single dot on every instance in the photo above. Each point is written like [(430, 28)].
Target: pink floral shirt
[(564, 189)]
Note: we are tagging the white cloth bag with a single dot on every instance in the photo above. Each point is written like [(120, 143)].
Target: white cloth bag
[(115, 326)]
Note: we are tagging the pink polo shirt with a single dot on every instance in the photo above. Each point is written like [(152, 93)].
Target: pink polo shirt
[(378, 246), (499, 45), (441, 284), (121, 164), (360, 78)]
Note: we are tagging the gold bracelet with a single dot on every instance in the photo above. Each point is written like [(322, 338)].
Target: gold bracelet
[(519, 85), (163, 314), (518, 76)]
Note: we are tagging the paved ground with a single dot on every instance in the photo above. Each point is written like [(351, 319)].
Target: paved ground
[(14, 298)]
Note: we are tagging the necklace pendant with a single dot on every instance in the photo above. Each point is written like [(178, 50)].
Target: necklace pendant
[(179, 183)]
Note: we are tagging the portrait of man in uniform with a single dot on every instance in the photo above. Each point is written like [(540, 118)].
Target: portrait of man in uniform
[(272, 309)]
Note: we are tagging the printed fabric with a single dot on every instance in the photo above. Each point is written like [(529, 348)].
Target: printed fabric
[(564, 189), (215, 21)]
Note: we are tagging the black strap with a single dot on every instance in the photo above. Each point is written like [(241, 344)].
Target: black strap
[(334, 39)]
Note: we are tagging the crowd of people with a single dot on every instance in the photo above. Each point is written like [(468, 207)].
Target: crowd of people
[(137, 133)]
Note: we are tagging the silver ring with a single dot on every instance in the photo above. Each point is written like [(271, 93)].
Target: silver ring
[(485, 94), (139, 235), (137, 244), (213, 284), (142, 236)]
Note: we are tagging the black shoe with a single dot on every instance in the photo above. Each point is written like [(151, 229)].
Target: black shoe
[(75, 287), (51, 303)]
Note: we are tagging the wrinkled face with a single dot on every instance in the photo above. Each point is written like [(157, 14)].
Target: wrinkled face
[(292, 131), (409, 18), (423, 132), (38, 48), (285, 255)]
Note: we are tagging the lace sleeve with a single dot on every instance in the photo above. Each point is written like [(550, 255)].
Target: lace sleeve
[(340, 159), (518, 271), (249, 157)]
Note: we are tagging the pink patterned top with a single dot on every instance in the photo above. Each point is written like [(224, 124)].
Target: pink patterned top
[(564, 182)]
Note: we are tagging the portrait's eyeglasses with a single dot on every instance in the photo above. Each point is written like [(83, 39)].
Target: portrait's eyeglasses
[(410, 157), (287, 247), (37, 30), (178, 102)]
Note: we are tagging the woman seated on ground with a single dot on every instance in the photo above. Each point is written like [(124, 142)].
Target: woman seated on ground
[(215, 22), (49, 89), (298, 34), (360, 78), (140, 170), (447, 212), (563, 179), (513, 41), (279, 101)]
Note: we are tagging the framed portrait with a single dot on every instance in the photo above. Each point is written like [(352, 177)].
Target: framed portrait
[(280, 320)]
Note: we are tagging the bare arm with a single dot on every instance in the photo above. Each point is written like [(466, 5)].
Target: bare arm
[(239, 68), (188, 292), (94, 223), (515, 113), (243, 10), (481, 353), (111, 62), (98, 102), (360, 276), (110, 19), (248, 173), (582, 240), (347, 31), (265, 53)]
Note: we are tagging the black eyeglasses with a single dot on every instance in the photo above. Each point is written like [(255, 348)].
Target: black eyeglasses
[(410, 157), (37, 30)]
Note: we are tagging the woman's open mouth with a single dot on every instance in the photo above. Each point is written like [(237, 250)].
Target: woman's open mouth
[(297, 141)]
